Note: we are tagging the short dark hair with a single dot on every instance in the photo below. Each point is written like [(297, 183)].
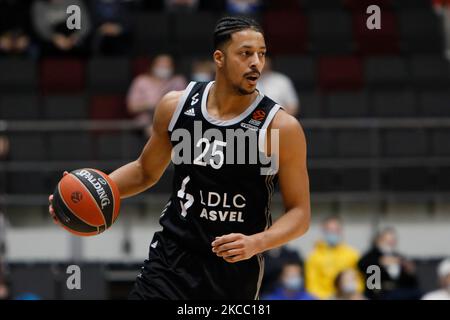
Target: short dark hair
[(226, 26)]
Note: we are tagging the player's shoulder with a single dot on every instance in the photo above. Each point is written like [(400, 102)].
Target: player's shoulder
[(167, 105), (166, 109), (283, 121)]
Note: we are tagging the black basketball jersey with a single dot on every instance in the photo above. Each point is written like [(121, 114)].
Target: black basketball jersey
[(218, 187)]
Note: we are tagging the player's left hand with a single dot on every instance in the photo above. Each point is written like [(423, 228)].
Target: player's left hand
[(235, 247)]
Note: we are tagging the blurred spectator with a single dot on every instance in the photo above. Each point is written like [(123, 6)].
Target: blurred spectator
[(291, 285), (15, 38), (275, 259), (181, 5), (4, 147), (203, 71), (398, 279), (442, 7), (443, 272), (111, 22), (4, 292), (147, 89), (346, 285), (278, 87), (27, 296), (50, 22), (329, 257), (243, 6)]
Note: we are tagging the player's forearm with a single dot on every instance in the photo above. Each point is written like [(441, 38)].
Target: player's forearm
[(131, 179), (289, 226)]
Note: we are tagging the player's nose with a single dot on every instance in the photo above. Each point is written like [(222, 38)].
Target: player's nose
[(255, 61)]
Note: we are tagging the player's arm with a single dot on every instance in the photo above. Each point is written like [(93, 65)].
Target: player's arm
[(294, 185), (145, 171)]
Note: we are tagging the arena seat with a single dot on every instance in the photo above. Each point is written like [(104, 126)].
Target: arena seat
[(286, 32), (151, 33), (62, 76), (401, 103), (20, 182), (104, 107), (30, 146), (340, 73), (108, 75), (406, 179), (70, 146), (397, 142), (377, 41), (326, 40), (387, 72), (60, 107), (17, 76), (441, 142), (19, 107), (354, 143), (421, 31), (197, 39), (435, 103), (430, 72), (347, 104), (301, 70), (310, 105), (354, 179), (320, 143)]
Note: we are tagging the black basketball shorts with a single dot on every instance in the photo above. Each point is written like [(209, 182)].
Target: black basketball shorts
[(172, 272)]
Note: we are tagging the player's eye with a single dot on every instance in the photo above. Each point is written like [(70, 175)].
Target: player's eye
[(262, 54)]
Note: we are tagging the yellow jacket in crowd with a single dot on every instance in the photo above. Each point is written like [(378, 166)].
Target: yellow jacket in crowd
[(323, 265)]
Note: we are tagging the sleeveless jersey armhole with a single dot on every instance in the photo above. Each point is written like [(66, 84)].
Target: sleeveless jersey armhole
[(263, 130), (180, 105)]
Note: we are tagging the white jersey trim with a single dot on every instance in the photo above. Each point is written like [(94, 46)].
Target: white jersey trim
[(180, 105), (263, 130), (230, 122)]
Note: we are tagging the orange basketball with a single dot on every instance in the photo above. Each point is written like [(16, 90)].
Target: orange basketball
[(86, 202)]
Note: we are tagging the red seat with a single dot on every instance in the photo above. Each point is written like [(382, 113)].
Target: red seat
[(62, 76), (140, 65), (376, 41), (285, 32), (107, 107), (340, 73)]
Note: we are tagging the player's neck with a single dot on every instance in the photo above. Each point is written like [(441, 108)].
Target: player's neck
[(225, 102)]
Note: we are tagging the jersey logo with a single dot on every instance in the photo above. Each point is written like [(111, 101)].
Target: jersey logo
[(154, 244), (249, 126), (258, 115), (183, 195), (194, 99), (190, 112)]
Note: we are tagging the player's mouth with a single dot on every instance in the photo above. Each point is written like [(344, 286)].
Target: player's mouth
[(252, 79)]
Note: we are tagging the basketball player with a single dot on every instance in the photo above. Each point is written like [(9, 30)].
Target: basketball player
[(217, 221)]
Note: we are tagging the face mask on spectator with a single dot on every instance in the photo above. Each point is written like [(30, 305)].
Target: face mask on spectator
[(162, 72), (293, 283), (201, 77), (394, 270), (332, 238), (349, 287)]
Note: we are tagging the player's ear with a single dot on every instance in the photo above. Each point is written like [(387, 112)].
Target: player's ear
[(219, 58)]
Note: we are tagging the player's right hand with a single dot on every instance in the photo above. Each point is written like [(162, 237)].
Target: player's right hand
[(50, 204)]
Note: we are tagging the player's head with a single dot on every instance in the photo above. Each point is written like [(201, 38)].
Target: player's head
[(239, 52)]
